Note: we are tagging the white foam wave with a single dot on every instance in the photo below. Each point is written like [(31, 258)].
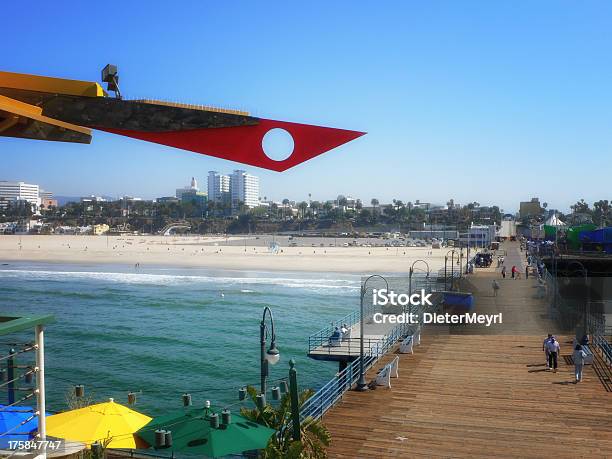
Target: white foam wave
[(170, 279)]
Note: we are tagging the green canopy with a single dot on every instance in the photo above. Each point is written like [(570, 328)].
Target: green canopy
[(573, 234), (192, 433)]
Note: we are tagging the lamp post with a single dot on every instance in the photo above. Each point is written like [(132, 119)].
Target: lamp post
[(272, 355), (410, 279), (361, 384), (452, 252), (412, 271)]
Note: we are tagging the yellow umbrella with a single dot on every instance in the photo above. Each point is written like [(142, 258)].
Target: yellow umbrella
[(104, 422)]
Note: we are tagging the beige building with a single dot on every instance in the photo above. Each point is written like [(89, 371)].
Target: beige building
[(530, 208), (98, 230)]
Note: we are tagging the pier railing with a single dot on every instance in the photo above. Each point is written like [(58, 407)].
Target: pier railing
[(347, 346), (567, 316), (322, 336)]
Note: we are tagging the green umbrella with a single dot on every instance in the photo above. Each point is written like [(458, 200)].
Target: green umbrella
[(192, 433)]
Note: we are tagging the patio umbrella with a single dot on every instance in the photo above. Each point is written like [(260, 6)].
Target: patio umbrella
[(192, 433), (11, 427), (101, 422)]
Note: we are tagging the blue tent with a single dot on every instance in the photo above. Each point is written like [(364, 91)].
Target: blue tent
[(10, 428)]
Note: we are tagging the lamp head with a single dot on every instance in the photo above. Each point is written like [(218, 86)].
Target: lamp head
[(273, 355)]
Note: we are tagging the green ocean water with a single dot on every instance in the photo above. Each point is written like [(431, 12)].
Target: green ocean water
[(162, 332)]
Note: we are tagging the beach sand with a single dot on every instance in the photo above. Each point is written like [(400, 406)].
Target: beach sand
[(244, 253)]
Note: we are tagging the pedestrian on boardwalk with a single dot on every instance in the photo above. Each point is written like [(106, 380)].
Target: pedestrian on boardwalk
[(514, 270), (553, 353), (495, 287), (503, 271), (527, 272), (545, 349), (579, 356)]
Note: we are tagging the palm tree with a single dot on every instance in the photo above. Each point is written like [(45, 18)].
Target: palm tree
[(303, 206), (314, 435)]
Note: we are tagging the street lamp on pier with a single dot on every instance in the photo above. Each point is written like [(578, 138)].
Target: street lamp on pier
[(272, 355), (412, 272), (361, 384), (452, 252)]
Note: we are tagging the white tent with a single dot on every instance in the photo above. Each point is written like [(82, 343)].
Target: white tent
[(553, 220)]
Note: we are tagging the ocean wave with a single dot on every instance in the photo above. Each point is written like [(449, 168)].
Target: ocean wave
[(319, 284)]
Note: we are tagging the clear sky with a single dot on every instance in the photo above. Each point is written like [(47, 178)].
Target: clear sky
[(483, 101)]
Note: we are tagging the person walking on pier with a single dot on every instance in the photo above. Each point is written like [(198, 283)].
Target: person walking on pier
[(553, 352), (545, 348), (579, 356), (527, 272), (503, 271), (495, 287), (514, 271)]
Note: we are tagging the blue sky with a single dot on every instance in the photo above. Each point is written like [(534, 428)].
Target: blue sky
[(493, 102)]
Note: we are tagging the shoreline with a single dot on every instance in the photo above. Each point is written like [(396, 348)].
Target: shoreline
[(213, 253)]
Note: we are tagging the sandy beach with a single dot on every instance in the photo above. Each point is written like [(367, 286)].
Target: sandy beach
[(245, 253)]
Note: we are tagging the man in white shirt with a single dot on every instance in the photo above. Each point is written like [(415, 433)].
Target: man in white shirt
[(553, 352)]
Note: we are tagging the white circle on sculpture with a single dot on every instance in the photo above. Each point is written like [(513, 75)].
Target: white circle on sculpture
[(277, 144)]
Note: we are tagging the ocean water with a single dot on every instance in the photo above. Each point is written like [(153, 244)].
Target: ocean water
[(162, 332)]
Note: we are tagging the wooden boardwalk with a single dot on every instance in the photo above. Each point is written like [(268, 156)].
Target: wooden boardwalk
[(463, 395)]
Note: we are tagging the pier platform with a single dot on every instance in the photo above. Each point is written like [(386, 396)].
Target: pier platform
[(479, 395), (348, 348)]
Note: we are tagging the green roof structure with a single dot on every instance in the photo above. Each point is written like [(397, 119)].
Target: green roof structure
[(13, 324)]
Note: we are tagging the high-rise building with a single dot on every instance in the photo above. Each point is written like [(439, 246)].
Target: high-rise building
[(244, 189), (193, 187), (18, 191), (218, 187)]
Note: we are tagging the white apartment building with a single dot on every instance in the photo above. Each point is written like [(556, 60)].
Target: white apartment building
[(19, 191), (244, 188), (218, 187)]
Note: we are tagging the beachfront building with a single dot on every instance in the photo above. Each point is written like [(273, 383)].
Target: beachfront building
[(530, 208), (11, 192), (167, 200), (92, 198), (478, 236), (193, 187), (218, 187), (46, 199), (197, 198), (244, 189), (98, 230)]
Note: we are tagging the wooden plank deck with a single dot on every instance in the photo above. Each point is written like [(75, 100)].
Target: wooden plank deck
[(463, 395)]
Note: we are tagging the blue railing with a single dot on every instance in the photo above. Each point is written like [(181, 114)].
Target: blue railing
[(322, 336), (605, 346)]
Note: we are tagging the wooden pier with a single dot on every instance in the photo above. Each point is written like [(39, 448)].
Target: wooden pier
[(479, 395)]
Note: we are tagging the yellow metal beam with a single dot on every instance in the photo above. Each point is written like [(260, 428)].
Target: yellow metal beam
[(50, 85), (22, 109)]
